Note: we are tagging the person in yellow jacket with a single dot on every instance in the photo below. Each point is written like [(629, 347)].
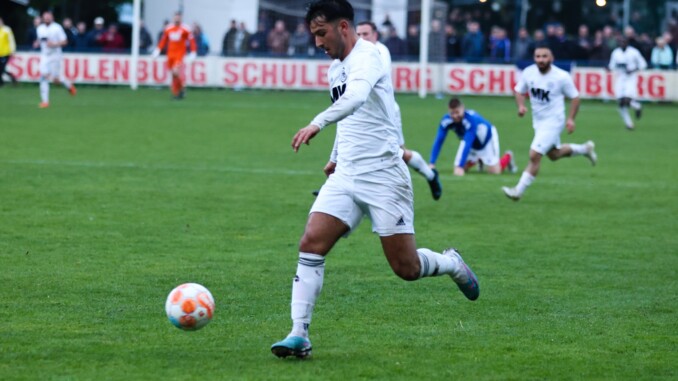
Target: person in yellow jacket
[(7, 48)]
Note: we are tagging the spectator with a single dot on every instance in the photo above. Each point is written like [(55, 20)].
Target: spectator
[(32, 32), (278, 40), (521, 47), (609, 38), (539, 38), (412, 40), (452, 42), (257, 43), (111, 40), (600, 50), (228, 44), (396, 45), (662, 55), (562, 46), (299, 42), (436, 42), (201, 42), (242, 39), (145, 39), (631, 37), (95, 36), (584, 44), (473, 43), (645, 45), (81, 38), (500, 45), (71, 31)]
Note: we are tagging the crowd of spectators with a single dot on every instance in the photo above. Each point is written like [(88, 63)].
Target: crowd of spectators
[(460, 37)]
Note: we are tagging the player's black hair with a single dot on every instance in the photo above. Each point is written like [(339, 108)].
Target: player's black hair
[(330, 10), (370, 23), (454, 103), (542, 45)]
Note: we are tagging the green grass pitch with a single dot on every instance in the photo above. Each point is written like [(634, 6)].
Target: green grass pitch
[(110, 199)]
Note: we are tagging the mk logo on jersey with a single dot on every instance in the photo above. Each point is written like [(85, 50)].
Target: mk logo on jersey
[(337, 92), (542, 95)]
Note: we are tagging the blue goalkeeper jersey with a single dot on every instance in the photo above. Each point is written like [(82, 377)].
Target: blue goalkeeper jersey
[(474, 131)]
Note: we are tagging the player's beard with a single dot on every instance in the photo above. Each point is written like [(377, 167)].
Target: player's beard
[(545, 67)]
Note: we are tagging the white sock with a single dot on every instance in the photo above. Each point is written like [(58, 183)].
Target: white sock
[(305, 290), (434, 264), (525, 180), (635, 105), (44, 90), (578, 149), (624, 112), (67, 84), (419, 164)]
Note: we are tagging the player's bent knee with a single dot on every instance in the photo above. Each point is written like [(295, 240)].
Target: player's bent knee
[(407, 273)]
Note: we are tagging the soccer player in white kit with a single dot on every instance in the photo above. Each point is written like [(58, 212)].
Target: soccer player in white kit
[(626, 61), (367, 30), (547, 86), (51, 37), (366, 174)]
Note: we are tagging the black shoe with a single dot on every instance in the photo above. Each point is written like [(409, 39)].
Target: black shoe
[(436, 188), (639, 113), (315, 193)]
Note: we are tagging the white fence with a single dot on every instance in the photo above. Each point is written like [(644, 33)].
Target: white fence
[(288, 74)]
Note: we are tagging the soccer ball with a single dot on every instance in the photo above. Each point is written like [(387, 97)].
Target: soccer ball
[(190, 306)]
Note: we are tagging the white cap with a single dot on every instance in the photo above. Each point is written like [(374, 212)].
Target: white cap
[(99, 20)]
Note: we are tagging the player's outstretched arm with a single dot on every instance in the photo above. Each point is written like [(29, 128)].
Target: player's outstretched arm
[(304, 136)]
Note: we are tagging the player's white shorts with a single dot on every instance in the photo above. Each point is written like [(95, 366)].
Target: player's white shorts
[(399, 126), (50, 66), (384, 196), (545, 139), (626, 86), (488, 155)]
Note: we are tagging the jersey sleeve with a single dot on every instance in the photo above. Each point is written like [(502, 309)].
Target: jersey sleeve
[(191, 40), (642, 64), (569, 89), (163, 40), (438, 142), (12, 41), (613, 61), (466, 144), (62, 34), (521, 86)]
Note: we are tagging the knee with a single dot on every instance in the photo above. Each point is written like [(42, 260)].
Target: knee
[(407, 272), (312, 243)]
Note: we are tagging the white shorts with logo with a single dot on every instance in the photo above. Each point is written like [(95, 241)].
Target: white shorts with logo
[(546, 139), (489, 155), (385, 196), (50, 66)]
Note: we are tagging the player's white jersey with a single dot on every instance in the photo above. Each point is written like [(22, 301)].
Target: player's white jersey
[(385, 56), (626, 60), (367, 139), (50, 33), (547, 95), (625, 63)]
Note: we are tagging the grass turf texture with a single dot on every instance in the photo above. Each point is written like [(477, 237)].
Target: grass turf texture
[(112, 198)]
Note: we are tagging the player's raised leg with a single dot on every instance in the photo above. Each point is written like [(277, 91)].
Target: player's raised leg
[(410, 263), (415, 161)]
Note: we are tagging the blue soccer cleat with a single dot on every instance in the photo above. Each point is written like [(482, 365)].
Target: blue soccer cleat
[(292, 346), (464, 278)]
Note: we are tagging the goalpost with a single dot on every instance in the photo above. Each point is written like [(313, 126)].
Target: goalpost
[(134, 59)]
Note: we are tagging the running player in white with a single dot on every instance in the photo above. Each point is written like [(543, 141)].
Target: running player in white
[(547, 86), (366, 174), (626, 61), (51, 37), (367, 30)]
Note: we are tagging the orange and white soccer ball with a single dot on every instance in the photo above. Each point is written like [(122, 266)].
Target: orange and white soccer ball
[(190, 306)]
